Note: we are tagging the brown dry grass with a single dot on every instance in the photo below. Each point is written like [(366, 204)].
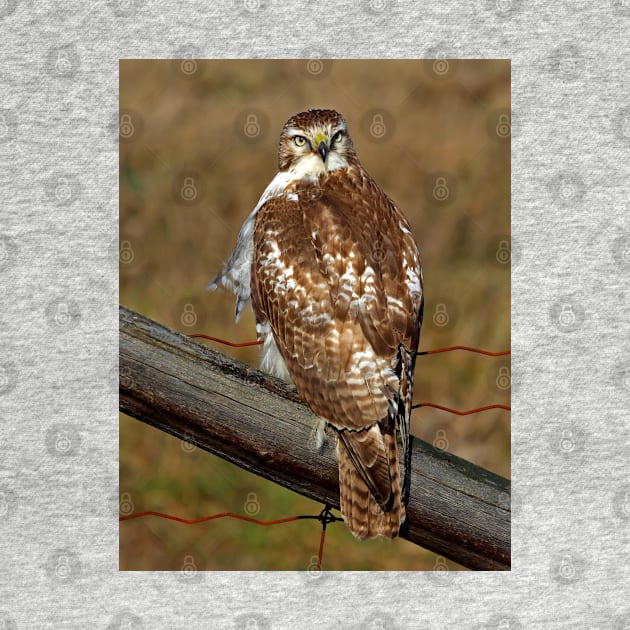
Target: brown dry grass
[(191, 125)]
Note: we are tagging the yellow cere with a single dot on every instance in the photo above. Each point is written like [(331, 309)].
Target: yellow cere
[(320, 137)]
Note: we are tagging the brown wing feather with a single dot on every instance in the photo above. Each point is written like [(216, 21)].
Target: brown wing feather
[(330, 274)]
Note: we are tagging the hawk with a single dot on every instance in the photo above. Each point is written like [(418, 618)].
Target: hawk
[(335, 282)]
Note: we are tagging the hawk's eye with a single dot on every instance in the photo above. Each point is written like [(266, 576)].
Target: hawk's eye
[(300, 141), (336, 138)]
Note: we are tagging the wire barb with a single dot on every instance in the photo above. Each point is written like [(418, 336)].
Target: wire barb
[(324, 517)]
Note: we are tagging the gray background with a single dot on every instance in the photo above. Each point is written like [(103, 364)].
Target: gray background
[(59, 321)]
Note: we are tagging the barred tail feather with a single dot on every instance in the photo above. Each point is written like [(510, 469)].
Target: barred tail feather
[(364, 515)]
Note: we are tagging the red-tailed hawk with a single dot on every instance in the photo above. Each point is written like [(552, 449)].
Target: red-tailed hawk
[(334, 277)]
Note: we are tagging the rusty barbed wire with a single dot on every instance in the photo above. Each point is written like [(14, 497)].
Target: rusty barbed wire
[(324, 517)]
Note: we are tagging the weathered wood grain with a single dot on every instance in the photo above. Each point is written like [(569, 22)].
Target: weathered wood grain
[(255, 421)]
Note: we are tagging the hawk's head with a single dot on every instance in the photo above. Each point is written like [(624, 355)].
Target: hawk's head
[(314, 142)]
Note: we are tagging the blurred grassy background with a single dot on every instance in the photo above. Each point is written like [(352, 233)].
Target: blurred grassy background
[(197, 147)]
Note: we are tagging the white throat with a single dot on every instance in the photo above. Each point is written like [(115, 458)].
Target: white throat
[(312, 166)]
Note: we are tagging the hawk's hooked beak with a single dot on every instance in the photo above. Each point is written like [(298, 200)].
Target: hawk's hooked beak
[(323, 150)]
